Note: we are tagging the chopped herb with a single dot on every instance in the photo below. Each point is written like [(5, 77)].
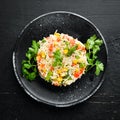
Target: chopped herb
[(49, 74), (77, 57), (71, 50), (82, 65), (43, 40), (57, 58), (69, 78), (67, 43)]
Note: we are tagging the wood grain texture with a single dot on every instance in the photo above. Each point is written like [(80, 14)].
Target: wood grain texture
[(15, 104)]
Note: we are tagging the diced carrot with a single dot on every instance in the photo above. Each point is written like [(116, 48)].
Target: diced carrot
[(72, 41), (73, 64), (51, 68), (42, 65), (38, 58), (84, 50), (55, 83), (50, 54), (80, 47), (78, 73), (51, 47), (58, 39), (82, 70)]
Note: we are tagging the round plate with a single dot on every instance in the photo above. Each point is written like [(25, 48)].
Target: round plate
[(65, 22)]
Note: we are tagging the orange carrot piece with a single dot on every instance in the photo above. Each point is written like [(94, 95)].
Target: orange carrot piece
[(51, 47), (51, 68)]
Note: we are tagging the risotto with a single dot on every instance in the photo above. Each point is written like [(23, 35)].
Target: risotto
[(61, 59)]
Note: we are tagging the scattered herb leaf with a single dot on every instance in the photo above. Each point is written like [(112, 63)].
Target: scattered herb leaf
[(49, 74), (57, 58), (71, 50)]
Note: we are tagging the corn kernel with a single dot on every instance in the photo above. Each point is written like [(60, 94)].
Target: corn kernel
[(75, 61), (59, 79), (63, 74), (42, 54), (76, 70), (65, 69), (59, 71), (44, 70), (65, 51), (55, 43), (57, 34)]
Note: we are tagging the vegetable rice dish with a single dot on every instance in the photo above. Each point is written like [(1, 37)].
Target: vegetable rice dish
[(61, 59)]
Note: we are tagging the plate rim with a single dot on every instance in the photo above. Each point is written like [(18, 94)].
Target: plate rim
[(50, 103)]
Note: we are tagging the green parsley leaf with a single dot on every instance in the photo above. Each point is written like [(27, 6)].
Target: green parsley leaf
[(31, 50), (29, 67), (24, 61), (28, 55), (94, 37), (99, 42), (25, 71), (32, 76), (35, 46), (99, 67), (93, 47), (90, 42)]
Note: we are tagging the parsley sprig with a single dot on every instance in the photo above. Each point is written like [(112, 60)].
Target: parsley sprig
[(29, 66), (93, 47)]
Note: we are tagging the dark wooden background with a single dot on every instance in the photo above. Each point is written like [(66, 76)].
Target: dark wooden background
[(15, 104)]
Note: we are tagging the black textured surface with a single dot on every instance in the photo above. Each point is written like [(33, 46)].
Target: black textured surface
[(15, 104)]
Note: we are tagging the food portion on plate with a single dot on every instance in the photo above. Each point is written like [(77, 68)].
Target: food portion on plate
[(61, 59)]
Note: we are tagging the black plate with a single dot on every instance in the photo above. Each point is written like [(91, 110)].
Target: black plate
[(74, 25)]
